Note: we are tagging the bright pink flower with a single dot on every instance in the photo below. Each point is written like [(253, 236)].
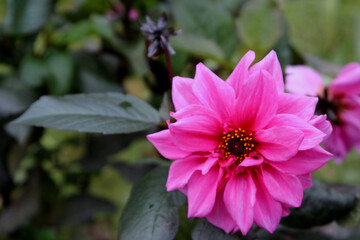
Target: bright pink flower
[(243, 148), (340, 101), (133, 14)]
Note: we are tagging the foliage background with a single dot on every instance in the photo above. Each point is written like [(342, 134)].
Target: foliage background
[(69, 185)]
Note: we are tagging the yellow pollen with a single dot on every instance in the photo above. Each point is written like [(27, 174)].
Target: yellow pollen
[(238, 144)]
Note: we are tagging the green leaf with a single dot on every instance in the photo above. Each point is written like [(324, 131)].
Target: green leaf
[(61, 69), (200, 47), (98, 113), (208, 19), (205, 230), (33, 71), (260, 24), (151, 213), (25, 17), (15, 97), (321, 205)]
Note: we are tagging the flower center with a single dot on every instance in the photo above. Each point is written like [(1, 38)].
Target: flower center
[(331, 108), (238, 144)]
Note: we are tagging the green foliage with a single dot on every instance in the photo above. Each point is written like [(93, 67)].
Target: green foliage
[(151, 212), (321, 205), (102, 113), (67, 185), (205, 230), (260, 24), (214, 23), (25, 17)]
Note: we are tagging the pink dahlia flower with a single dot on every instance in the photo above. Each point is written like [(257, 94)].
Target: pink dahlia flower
[(243, 148), (340, 101)]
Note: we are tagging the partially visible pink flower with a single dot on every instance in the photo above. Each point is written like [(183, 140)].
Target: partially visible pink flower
[(243, 148), (133, 14), (340, 101), (119, 9)]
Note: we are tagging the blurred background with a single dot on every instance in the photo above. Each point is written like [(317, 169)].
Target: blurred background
[(57, 185)]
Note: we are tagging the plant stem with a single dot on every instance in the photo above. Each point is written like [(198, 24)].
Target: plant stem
[(168, 63)]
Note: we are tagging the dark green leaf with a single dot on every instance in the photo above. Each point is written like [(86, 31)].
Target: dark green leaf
[(19, 132), (205, 230), (15, 97), (150, 214), (321, 205), (98, 112), (184, 231), (24, 17)]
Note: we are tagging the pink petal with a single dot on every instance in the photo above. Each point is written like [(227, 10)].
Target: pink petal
[(304, 161), (252, 161), (257, 103), (209, 163), (312, 135), (283, 187), (303, 80), (305, 180), (202, 192), (278, 143), (285, 212), (351, 125), (165, 145), (182, 94), (267, 211), (219, 216), (271, 64), (199, 132), (193, 110), (301, 106), (322, 124), (239, 198), (181, 170), (337, 144), (212, 91), (347, 81), (241, 72)]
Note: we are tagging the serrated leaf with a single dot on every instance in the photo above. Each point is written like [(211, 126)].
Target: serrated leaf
[(97, 113), (321, 205), (25, 17), (150, 214), (205, 230)]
